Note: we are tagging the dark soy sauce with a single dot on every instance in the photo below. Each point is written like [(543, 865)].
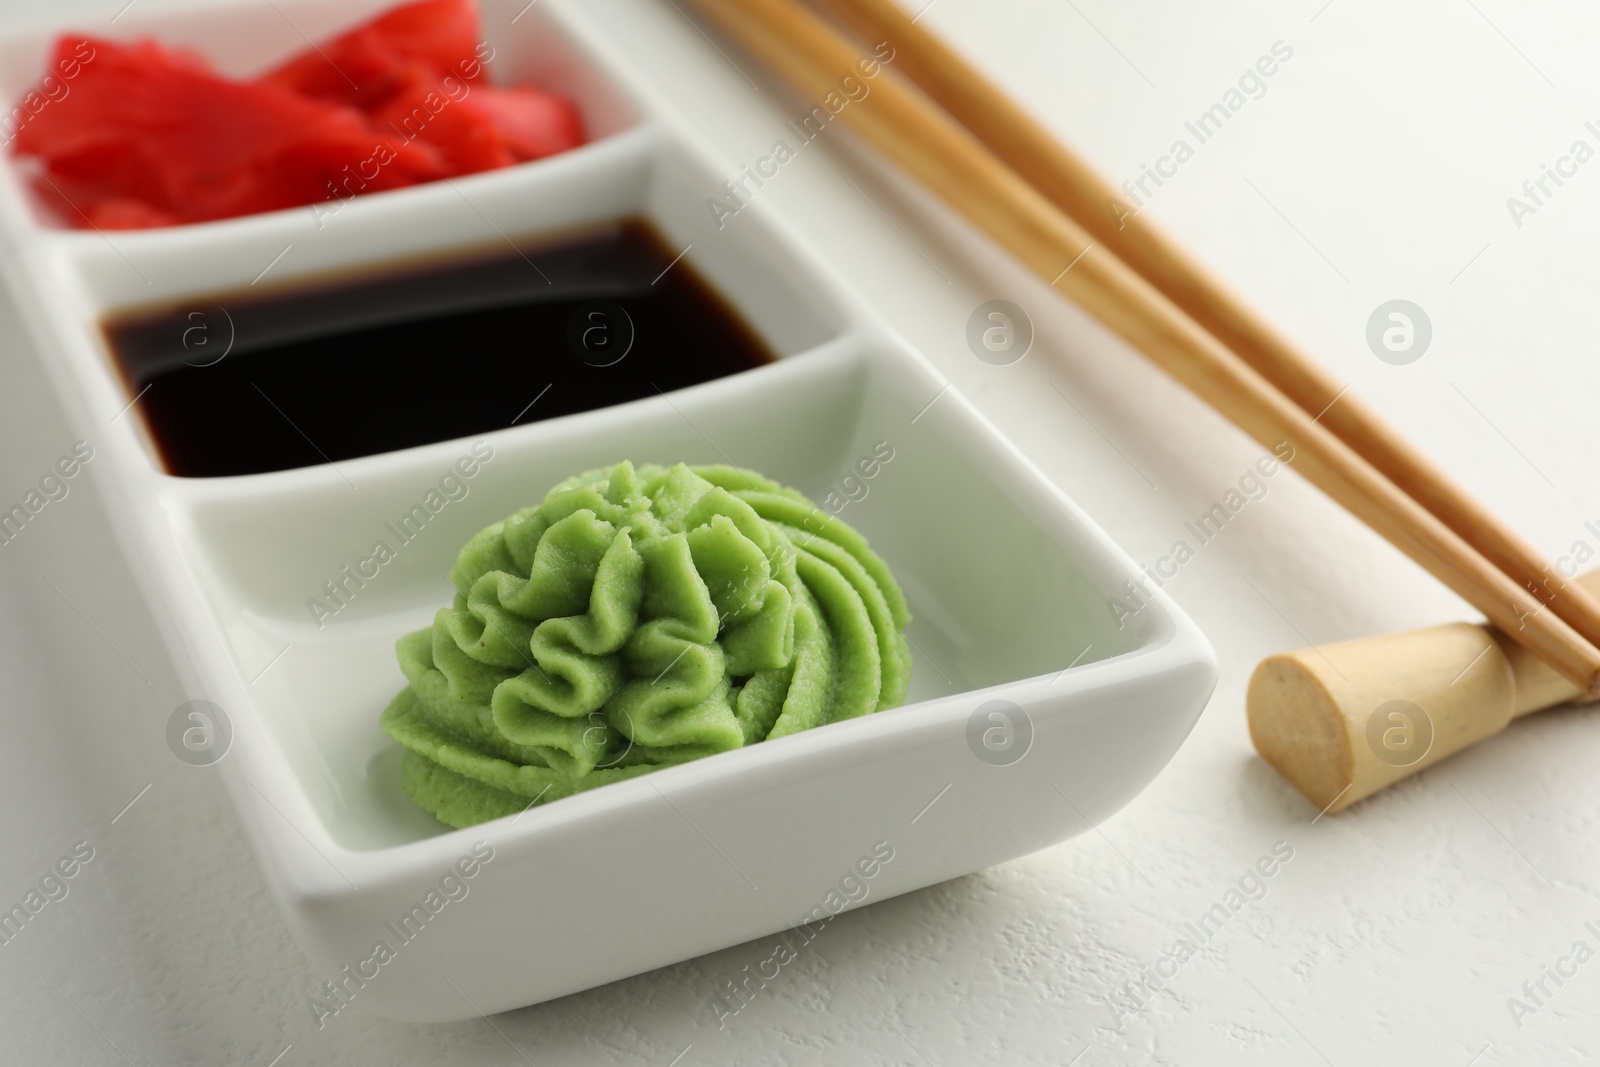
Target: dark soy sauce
[(248, 382)]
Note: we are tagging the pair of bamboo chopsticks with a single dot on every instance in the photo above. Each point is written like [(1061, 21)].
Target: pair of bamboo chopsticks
[(974, 148)]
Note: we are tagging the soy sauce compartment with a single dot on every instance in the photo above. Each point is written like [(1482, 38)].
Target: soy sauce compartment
[(246, 383)]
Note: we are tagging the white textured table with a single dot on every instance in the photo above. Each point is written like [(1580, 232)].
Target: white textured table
[(1376, 165)]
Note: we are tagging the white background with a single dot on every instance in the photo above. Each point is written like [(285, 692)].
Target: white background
[(1376, 166)]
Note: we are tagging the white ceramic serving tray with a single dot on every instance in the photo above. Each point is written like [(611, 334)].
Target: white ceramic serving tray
[(1008, 581)]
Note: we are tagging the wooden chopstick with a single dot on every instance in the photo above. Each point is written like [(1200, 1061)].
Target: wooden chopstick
[(1086, 198), (952, 163)]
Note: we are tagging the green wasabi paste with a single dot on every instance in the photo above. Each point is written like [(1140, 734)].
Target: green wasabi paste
[(636, 619)]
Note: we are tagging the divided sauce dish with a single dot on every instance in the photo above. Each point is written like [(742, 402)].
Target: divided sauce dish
[(1007, 580)]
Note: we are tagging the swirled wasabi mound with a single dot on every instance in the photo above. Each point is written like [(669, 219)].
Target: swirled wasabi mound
[(636, 619)]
